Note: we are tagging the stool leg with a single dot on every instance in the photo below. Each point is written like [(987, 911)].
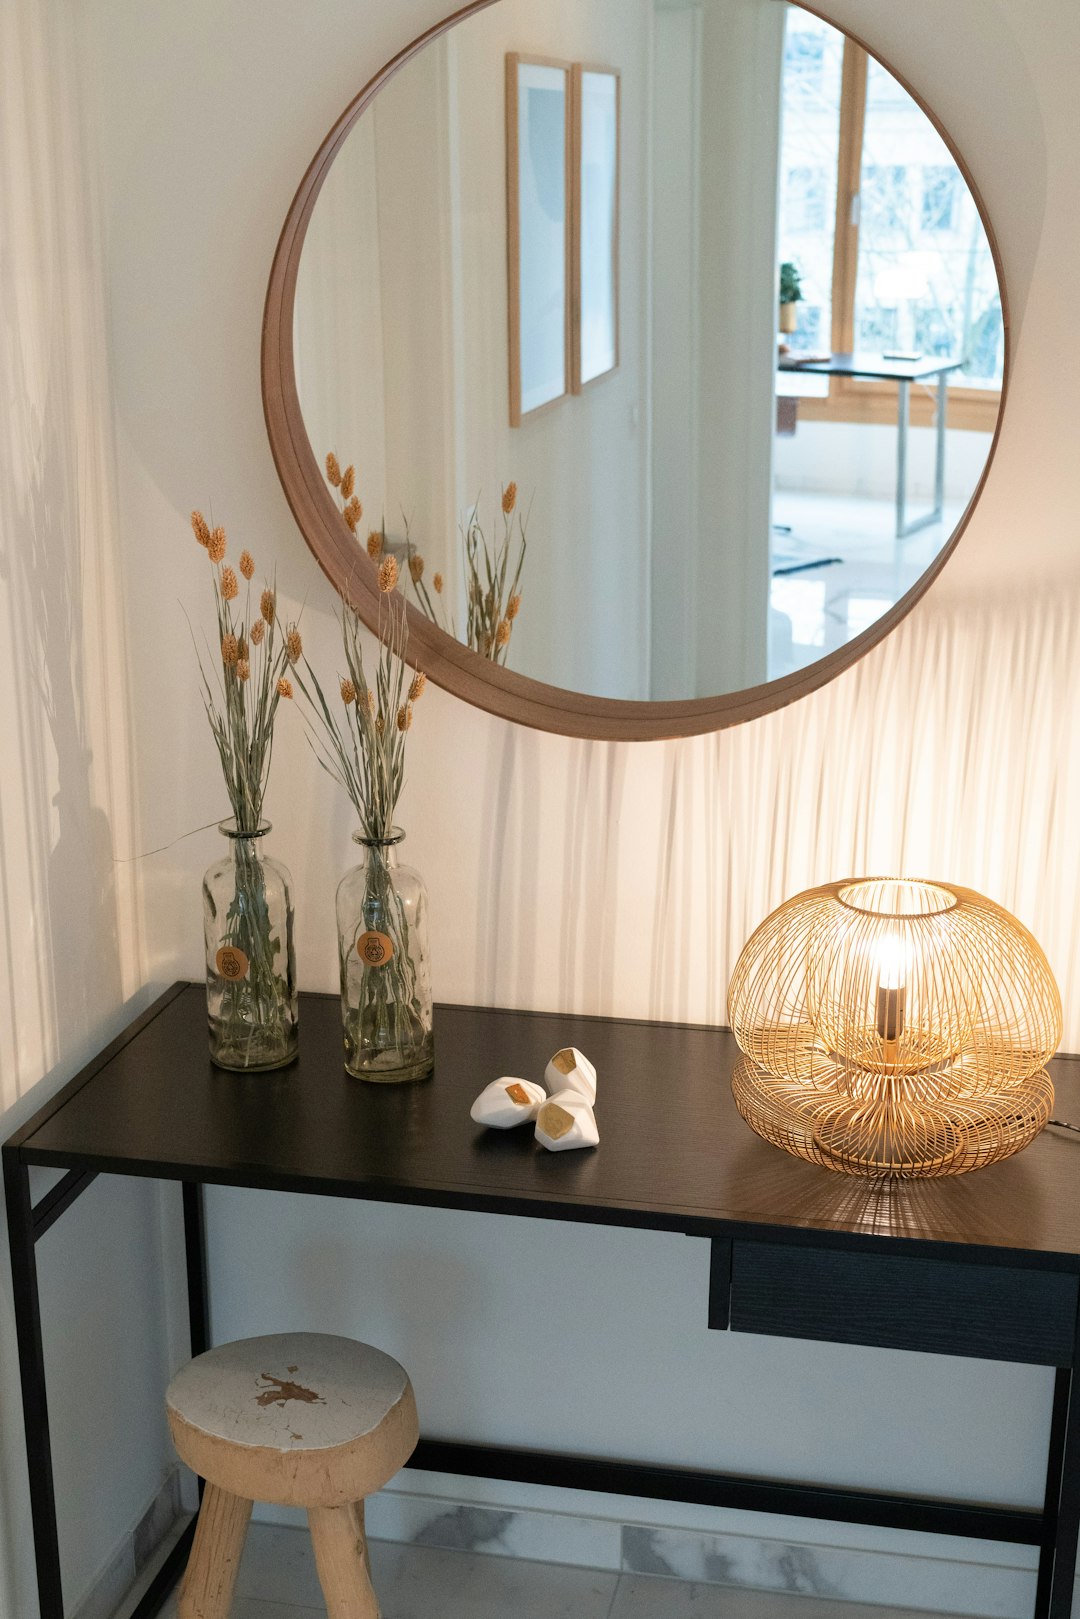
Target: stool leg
[(214, 1563), (341, 1557)]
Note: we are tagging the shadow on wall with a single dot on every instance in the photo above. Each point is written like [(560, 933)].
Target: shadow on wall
[(70, 931), (625, 880), (78, 952)]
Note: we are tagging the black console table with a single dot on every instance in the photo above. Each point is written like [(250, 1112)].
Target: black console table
[(987, 1265)]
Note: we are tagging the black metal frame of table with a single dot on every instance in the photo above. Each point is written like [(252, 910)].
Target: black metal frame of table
[(986, 1267), (875, 367)]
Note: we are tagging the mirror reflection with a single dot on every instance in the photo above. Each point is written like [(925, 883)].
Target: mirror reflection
[(664, 340)]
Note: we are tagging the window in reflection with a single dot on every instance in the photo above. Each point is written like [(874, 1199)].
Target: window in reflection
[(810, 153), (926, 279), (897, 275)]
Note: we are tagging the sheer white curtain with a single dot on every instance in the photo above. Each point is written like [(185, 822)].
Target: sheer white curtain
[(71, 954)]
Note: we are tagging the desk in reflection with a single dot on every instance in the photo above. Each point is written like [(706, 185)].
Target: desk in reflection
[(881, 368)]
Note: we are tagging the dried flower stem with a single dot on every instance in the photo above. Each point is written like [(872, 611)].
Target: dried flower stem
[(242, 712), (435, 608), (361, 742), (492, 594), (241, 688), (357, 741), (490, 585)]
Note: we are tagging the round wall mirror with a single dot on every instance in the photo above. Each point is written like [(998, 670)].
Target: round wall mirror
[(666, 343)]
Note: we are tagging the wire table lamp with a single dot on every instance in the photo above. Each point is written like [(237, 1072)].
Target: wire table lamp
[(894, 1028)]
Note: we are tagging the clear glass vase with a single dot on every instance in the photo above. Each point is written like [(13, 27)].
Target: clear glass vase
[(250, 963), (385, 972)]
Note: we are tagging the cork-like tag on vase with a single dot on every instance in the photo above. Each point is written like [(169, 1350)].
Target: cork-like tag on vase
[(231, 963), (518, 1093), (374, 949), (555, 1121), (564, 1061)]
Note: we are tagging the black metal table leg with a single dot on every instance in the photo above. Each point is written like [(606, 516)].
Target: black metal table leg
[(22, 1237), (1067, 1528), (1058, 1420), (198, 1291), (25, 1225), (195, 1254), (160, 1588)]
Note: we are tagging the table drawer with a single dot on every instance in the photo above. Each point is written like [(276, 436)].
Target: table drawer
[(894, 1301)]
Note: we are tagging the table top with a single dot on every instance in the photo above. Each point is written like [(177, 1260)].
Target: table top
[(877, 366), (674, 1154)]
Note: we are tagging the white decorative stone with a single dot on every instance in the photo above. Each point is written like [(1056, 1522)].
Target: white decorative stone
[(566, 1121), (507, 1102), (570, 1070)]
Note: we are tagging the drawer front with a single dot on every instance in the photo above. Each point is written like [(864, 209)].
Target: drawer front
[(893, 1301)]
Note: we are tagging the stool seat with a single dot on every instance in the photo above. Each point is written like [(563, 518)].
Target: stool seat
[(298, 1418)]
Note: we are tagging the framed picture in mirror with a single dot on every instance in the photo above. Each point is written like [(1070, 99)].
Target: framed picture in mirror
[(538, 187), (594, 226)]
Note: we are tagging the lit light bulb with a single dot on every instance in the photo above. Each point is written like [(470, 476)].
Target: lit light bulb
[(891, 988)]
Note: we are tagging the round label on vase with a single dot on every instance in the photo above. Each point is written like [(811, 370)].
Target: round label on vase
[(374, 949), (231, 963)]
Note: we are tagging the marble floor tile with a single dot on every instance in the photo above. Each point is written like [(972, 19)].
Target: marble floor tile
[(278, 1581), (423, 1582), (252, 1608), (642, 1596), (279, 1566)]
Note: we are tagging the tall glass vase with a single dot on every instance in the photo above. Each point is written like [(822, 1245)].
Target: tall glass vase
[(385, 974), (250, 963)]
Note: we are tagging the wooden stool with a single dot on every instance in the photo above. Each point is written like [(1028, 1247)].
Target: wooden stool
[(302, 1420)]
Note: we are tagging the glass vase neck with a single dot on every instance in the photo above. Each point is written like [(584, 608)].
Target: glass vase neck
[(237, 834), (393, 838)]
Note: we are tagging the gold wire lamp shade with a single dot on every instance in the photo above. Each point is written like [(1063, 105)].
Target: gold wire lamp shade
[(894, 1028)]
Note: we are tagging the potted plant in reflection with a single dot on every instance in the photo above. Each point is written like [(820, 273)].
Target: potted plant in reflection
[(247, 900), (360, 739), (790, 295)]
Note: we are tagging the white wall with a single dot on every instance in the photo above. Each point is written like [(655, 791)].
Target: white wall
[(568, 874), (742, 56), (716, 158), (432, 202), (859, 459), (338, 347), (584, 462)]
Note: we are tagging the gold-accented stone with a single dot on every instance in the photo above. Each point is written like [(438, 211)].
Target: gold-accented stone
[(564, 1061), (554, 1121), (518, 1093)]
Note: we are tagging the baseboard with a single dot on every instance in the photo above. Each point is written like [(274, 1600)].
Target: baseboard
[(137, 1555), (985, 1580), (981, 1581)]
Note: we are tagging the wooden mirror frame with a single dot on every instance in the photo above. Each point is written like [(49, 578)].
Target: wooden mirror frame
[(446, 661)]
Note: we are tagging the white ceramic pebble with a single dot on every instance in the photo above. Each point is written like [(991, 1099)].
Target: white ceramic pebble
[(566, 1121), (507, 1102), (569, 1070)]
